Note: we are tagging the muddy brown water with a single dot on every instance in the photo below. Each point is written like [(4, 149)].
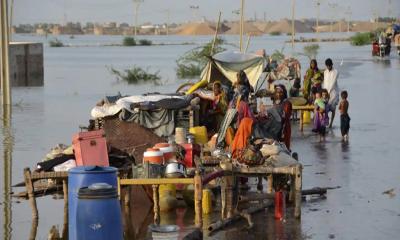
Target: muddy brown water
[(75, 78)]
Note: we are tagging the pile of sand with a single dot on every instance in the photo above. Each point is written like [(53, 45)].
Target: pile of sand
[(367, 26), (249, 29), (263, 26), (203, 28), (285, 26), (340, 26)]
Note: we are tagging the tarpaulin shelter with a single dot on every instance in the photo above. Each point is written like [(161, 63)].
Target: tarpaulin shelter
[(225, 65)]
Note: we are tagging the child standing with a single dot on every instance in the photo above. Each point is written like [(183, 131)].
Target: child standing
[(319, 116), (344, 116)]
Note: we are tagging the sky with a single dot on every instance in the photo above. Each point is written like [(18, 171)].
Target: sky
[(155, 11)]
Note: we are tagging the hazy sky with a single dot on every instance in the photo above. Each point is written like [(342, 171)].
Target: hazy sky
[(155, 11)]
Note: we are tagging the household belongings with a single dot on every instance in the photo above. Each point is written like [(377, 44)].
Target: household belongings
[(90, 148), (152, 111)]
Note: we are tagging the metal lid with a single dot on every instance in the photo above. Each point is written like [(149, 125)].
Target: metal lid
[(91, 169), (98, 191)]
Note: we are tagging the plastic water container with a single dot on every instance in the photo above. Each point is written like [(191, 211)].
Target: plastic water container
[(306, 117), (84, 176), (200, 134), (99, 213)]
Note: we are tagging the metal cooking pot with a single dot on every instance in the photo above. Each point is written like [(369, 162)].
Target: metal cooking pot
[(175, 170)]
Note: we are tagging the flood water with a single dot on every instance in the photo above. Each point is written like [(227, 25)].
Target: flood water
[(77, 77)]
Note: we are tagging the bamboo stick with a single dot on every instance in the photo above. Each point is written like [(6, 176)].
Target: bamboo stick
[(248, 43), (30, 191), (216, 34), (198, 194), (156, 205), (65, 225)]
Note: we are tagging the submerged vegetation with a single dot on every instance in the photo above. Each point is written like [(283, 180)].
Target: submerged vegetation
[(275, 33), (137, 75), (145, 42), (193, 62), (129, 41), (311, 51), (56, 43), (361, 39)]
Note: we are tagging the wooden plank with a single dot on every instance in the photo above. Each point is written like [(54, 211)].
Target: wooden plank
[(156, 181), (47, 175)]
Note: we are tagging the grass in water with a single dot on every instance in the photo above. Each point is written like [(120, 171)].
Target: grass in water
[(129, 41), (137, 75), (56, 43)]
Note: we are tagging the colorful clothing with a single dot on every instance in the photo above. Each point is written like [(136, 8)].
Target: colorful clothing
[(287, 129), (321, 119), (241, 136), (312, 81)]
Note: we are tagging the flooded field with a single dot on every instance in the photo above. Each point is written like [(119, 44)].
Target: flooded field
[(77, 77)]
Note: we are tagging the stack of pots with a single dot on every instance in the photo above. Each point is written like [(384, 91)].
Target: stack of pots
[(167, 150), (153, 160)]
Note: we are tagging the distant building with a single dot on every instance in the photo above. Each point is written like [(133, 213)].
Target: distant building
[(69, 29)]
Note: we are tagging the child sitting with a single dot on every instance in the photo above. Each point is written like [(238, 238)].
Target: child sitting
[(344, 116)]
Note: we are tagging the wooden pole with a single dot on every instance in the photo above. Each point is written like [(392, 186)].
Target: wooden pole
[(4, 61), (30, 190), (216, 34), (65, 225), (241, 25), (198, 194), (270, 181), (11, 17), (293, 31), (298, 186), (317, 29), (156, 205)]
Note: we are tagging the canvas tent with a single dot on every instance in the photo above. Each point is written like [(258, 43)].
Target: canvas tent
[(225, 65)]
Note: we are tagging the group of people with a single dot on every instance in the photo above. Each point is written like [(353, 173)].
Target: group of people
[(273, 123), (321, 89)]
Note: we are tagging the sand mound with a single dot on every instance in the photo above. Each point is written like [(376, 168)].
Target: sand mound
[(285, 26), (340, 26), (367, 26), (204, 28), (263, 26), (249, 29)]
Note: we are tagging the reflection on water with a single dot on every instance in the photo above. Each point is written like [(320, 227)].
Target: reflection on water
[(7, 168)]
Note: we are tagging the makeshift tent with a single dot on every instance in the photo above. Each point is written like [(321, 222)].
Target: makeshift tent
[(225, 65)]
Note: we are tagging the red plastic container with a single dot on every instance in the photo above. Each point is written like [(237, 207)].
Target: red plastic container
[(90, 148), (191, 151), (280, 206)]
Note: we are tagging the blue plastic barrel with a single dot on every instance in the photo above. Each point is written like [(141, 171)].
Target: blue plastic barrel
[(80, 177), (99, 213)]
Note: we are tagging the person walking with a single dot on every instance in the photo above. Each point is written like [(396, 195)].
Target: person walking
[(331, 85)]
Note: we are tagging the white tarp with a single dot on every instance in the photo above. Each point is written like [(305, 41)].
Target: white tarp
[(229, 63)]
